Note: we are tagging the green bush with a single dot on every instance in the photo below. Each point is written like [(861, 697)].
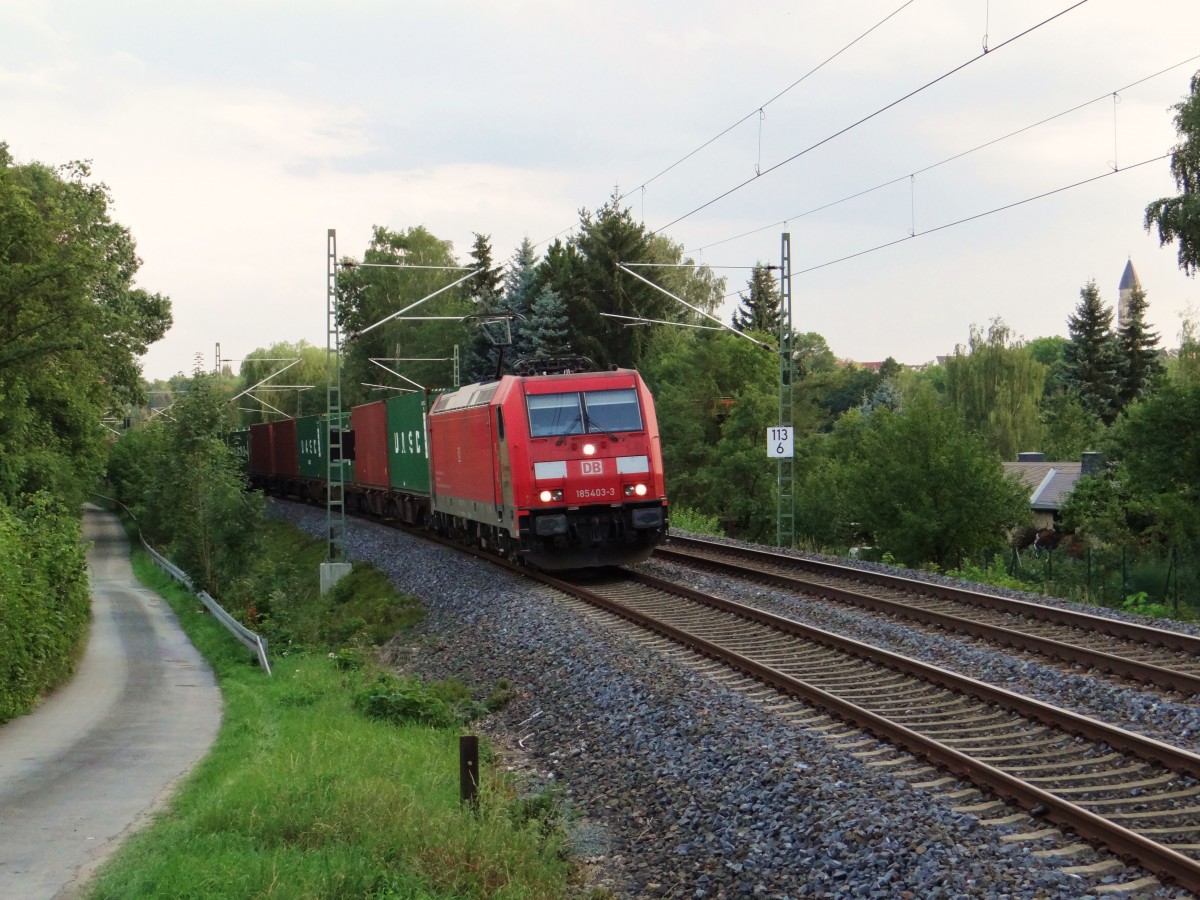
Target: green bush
[(439, 704), (44, 600), (687, 519), (996, 573), (1141, 604), (404, 701)]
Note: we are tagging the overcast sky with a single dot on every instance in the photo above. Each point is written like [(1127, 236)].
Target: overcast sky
[(234, 134)]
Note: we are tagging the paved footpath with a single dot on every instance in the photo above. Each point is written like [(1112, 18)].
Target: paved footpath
[(101, 755)]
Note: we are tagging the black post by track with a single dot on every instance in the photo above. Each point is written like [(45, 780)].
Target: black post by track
[(468, 769)]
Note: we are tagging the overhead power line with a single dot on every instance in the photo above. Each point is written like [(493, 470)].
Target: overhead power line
[(870, 116), (758, 109), (965, 220), (948, 159)]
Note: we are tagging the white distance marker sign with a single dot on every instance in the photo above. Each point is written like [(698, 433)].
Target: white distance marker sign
[(779, 442)]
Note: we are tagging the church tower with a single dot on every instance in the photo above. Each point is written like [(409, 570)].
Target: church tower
[(1129, 281)]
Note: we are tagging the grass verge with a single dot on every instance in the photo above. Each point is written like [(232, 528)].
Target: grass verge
[(303, 795)]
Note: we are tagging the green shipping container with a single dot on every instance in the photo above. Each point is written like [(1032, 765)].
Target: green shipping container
[(314, 449), (408, 453)]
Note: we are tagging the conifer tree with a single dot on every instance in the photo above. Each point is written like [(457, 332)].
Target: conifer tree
[(511, 298), (485, 286), (1140, 363), (547, 328), (759, 311), (1091, 358)]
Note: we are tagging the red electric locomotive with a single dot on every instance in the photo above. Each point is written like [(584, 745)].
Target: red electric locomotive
[(564, 470)]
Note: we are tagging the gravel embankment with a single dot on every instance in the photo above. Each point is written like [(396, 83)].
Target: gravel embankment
[(680, 787)]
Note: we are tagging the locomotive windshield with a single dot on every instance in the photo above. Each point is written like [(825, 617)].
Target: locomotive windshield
[(589, 412)]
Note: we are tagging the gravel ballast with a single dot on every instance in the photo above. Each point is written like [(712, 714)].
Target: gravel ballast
[(679, 786)]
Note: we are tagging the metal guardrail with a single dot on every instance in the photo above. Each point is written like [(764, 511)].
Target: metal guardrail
[(256, 643)]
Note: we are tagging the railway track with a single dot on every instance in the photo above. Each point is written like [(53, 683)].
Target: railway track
[(1137, 796), (1162, 659)]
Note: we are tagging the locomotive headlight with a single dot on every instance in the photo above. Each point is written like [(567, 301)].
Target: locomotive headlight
[(589, 449), (551, 496), (635, 490)]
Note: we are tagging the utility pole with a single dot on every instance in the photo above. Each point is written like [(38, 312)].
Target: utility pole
[(785, 521), (335, 566)]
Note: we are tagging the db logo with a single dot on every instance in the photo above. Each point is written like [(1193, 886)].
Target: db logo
[(592, 467)]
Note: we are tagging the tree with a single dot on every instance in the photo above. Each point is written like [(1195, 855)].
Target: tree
[(301, 390), (926, 488), (1178, 218), (1140, 363), (369, 294), (547, 329), (715, 395), (996, 384), (820, 513), (600, 297), (1068, 429), (485, 286), (606, 239), (822, 395), (887, 394), (1099, 507), (1185, 367), (498, 327), (1156, 447), (1091, 359), (72, 326), (187, 488), (760, 309), (45, 601), (1049, 352), (811, 354)]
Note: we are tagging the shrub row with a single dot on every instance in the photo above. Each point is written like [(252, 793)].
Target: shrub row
[(44, 600)]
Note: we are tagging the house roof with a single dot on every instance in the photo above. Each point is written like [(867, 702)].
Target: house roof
[(1049, 483)]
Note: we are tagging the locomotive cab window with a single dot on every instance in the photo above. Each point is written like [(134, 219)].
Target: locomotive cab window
[(551, 415), (592, 412), (609, 411)]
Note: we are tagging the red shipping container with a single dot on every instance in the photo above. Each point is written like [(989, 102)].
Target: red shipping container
[(462, 456), (369, 422), (260, 449), (285, 452)]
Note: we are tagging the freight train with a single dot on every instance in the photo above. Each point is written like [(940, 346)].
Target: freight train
[(561, 471)]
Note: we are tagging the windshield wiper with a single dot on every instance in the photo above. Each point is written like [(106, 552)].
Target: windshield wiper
[(567, 432), (610, 435)]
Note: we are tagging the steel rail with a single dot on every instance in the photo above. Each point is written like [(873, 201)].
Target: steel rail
[(1133, 631), (1147, 673), (1149, 854)]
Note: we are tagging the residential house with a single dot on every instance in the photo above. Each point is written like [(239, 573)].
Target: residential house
[(1050, 483)]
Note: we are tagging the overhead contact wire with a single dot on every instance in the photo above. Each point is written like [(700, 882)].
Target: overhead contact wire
[(963, 221), (998, 209), (758, 109), (871, 116), (949, 159)]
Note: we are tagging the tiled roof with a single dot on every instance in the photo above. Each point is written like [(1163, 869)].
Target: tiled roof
[(1049, 483)]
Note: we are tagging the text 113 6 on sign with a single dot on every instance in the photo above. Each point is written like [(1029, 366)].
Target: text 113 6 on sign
[(779, 442)]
